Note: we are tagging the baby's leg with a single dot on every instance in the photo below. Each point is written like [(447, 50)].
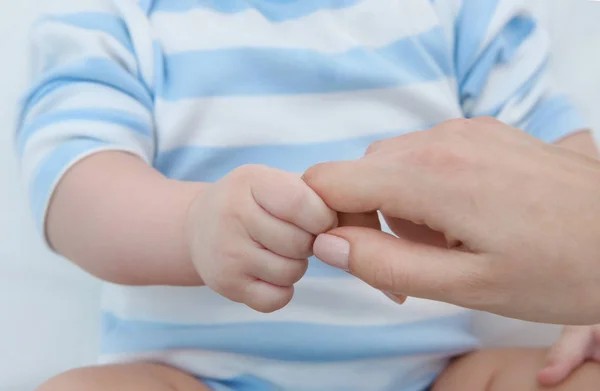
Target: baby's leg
[(510, 370), (131, 377)]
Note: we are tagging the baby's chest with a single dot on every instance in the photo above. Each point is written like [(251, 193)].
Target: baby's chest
[(281, 75)]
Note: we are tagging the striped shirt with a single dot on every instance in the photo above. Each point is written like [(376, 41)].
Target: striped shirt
[(197, 88)]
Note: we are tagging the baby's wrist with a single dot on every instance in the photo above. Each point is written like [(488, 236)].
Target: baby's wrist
[(194, 209)]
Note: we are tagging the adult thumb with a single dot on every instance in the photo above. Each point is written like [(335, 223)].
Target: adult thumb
[(399, 266)]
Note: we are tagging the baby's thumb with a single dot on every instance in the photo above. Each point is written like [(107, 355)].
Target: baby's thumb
[(395, 265), (564, 357)]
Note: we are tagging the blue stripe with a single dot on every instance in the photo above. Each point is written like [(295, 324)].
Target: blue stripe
[(50, 170), (209, 164), (319, 269), (554, 118), (471, 29), (274, 11), (91, 70), (269, 71), (403, 380), (520, 94), (290, 341), (118, 117), (500, 51), (97, 21), (240, 383)]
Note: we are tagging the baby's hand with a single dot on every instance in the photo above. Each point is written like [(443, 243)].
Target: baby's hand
[(575, 345), (250, 235)]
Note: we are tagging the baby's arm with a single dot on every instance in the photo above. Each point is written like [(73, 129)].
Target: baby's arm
[(87, 142), (121, 220)]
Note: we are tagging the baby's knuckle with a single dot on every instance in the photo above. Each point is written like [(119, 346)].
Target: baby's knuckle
[(272, 304), (295, 271), (248, 172), (225, 286), (301, 244)]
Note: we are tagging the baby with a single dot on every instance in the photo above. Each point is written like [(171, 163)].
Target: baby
[(163, 142)]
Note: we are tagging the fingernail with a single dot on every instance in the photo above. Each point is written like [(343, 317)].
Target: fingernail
[(395, 298), (333, 250)]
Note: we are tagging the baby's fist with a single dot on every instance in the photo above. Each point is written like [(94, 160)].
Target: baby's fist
[(250, 235)]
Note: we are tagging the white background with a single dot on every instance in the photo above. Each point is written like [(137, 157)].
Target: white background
[(49, 309)]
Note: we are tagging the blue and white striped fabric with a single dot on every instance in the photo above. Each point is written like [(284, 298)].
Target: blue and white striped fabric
[(199, 87)]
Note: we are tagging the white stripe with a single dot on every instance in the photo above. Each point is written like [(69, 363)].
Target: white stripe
[(447, 11), (505, 79), (46, 139), (259, 120), (373, 374), (58, 44), (371, 23), (142, 37), (515, 110), (335, 301), (70, 6), (505, 11), (84, 95)]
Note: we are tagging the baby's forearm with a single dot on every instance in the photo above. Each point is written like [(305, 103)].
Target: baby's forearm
[(124, 222)]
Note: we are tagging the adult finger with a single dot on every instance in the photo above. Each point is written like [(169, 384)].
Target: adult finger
[(367, 220), (415, 232), (372, 184), (398, 266)]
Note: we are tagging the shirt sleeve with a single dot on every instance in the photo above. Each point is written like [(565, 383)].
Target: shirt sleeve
[(502, 57), (87, 95)]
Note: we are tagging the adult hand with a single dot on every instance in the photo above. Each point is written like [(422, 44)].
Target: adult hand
[(490, 219)]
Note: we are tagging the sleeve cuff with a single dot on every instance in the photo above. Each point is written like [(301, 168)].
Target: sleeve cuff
[(54, 166)]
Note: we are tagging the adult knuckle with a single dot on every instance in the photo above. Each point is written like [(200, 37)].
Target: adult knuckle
[(317, 176), (486, 120), (437, 156), (374, 147), (459, 124), (386, 277), (74, 379), (480, 288)]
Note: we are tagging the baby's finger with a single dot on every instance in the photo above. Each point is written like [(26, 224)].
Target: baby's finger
[(279, 236), (264, 297), (566, 355), (287, 197), (275, 269)]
